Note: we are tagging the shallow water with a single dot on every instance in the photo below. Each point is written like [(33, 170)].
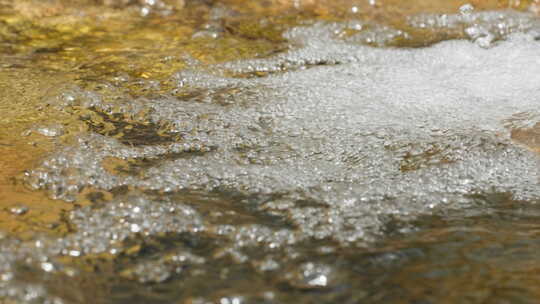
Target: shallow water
[(344, 152)]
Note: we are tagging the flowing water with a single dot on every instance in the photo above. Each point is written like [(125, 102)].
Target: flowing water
[(270, 152)]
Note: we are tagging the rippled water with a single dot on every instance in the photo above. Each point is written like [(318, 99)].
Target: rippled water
[(341, 169)]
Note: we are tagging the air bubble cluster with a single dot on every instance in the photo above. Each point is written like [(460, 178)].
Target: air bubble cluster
[(484, 28)]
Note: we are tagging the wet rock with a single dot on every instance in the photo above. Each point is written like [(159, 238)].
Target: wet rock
[(528, 136)]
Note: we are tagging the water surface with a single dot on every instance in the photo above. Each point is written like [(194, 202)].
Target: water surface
[(197, 152)]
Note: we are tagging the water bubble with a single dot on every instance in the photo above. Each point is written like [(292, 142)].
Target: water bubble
[(482, 27), (135, 228), (18, 209), (47, 267), (7, 276), (310, 276), (466, 9), (145, 11), (50, 130), (212, 30), (231, 300), (74, 253)]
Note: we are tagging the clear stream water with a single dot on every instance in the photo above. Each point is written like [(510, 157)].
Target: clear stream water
[(340, 170)]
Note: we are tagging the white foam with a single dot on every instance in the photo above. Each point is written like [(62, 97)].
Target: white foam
[(366, 131)]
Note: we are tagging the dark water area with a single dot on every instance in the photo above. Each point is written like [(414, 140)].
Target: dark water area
[(269, 152)]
